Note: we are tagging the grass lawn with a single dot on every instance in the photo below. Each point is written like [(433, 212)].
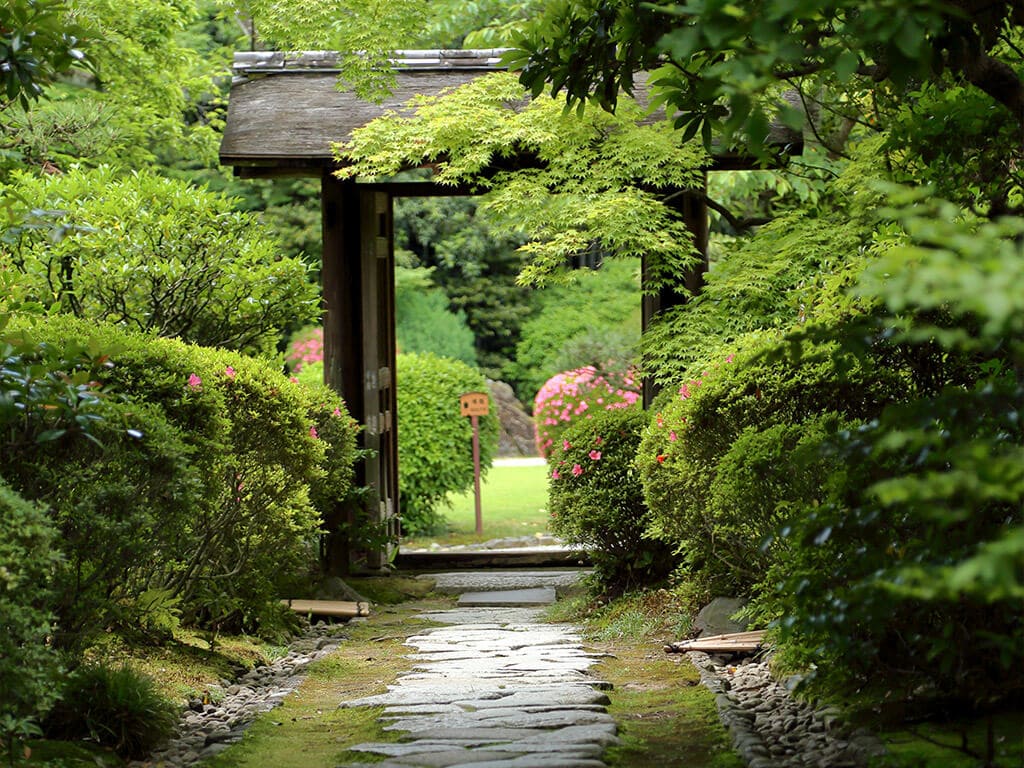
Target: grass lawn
[(514, 502)]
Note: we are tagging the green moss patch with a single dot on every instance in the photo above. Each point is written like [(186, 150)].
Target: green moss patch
[(665, 717), (309, 729)]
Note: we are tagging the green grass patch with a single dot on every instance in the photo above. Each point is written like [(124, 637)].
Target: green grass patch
[(665, 717), (186, 666), (514, 502), (657, 616), (66, 754)]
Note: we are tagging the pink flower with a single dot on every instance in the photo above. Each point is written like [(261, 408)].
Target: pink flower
[(729, 359), (194, 382), (660, 421), (229, 372), (598, 440), (313, 433), (672, 437), (556, 475), (293, 380), (337, 412), (595, 455), (684, 392), (566, 445), (577, 470)]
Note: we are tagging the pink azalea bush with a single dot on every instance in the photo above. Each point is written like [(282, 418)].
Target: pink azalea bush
[(570, 396), (306, 346)]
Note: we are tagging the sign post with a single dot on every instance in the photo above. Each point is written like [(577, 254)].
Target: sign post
[(475, 405)]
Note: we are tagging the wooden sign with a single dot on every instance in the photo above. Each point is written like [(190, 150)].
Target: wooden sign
[(475, 404)]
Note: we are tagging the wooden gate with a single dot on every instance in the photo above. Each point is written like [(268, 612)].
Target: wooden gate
[(359, 353)]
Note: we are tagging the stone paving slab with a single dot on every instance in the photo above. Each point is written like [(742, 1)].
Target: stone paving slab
[(456, 583), (494, 688), (501, 616), (508, 598)]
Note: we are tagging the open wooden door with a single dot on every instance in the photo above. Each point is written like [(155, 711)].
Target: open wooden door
[(359, 354), (380, 402)]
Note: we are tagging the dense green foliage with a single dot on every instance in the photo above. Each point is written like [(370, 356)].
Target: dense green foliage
[(28, 667), (423, 322), (435, 451), (115, 707), (236, 467), (475, 268), (596, 186), (699, 426), (596, 500), (592, 321), (157, 256)]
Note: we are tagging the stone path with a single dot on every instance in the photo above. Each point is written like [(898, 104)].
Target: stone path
[(495, 687)]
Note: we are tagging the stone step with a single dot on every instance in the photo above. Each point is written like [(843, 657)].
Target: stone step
[(508, 598), (455, 583)]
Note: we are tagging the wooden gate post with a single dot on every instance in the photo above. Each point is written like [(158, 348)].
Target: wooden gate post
[(359, 355)]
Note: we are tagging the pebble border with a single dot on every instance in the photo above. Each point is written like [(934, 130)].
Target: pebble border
[(205, 730), (770, 728)]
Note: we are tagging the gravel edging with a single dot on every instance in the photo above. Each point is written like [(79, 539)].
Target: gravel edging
[(770, 728), (205, 730)]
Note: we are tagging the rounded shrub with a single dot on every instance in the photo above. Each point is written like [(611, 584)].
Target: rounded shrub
[(761, 480), (115, 707), (160, 256), (596, 499), (696, 425), (28, 558), (577, 395), (267, 461), (435, 453)]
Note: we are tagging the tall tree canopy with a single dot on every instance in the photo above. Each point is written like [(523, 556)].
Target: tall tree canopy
[(723, 68)]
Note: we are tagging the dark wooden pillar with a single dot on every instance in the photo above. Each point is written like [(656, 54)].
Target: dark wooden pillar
[(693, 210), (359, 355)]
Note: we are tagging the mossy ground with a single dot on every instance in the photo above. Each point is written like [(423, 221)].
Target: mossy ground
[(309, 729), (666, 718)]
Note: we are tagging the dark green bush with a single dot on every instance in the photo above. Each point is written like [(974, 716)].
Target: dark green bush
[(760, 481), (267, 460), (118, 503), (435, 447), (596, 500), (28, 666), (157, 255), (697, 426), (424, 323), (116, 707)]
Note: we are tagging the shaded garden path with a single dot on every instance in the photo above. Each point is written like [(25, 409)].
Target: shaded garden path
[(493, 686)]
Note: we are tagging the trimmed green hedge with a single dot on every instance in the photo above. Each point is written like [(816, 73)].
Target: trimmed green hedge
[(219, 496), (697, 425), (435, 453)]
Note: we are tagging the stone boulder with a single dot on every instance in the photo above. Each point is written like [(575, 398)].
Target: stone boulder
[(517, 435)]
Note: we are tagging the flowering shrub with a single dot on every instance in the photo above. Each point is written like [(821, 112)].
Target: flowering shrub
[(693, 471), (596, 499), (237, 469), (306, 346), (576, 394)]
